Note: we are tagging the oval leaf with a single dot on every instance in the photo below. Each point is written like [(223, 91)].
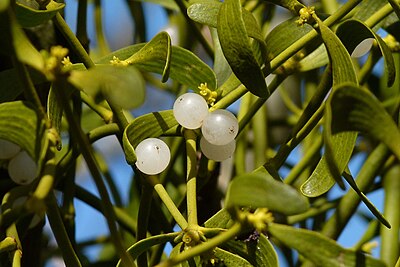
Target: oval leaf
[(19, 124), (229, 259), (30, 17), (149, 125), (261, 190), (319, 249), (355, 109), (185, 67), (122, 86), (236, 47)]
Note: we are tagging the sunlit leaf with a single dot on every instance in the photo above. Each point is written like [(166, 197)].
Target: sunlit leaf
[(149, 125), (122, 86), (261, 190), (352, 32), (221, 219), (339, 146), (185, 67), (143, 245), (229, 259), (237, 50), (30, 17), (319, 249), (154, 53), (19, 124)]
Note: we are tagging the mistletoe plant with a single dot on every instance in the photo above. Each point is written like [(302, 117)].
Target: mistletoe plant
[(56, 100)]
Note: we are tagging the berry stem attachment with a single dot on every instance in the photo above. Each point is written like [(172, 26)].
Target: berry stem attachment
[(190, 137)]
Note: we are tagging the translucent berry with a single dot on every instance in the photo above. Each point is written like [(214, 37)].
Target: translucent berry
[(8, 149), (216, 152), (190, 110), (153, 156), (220, 127), (22, 168)]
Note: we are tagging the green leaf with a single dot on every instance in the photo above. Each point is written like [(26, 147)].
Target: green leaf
[(229, 259), (149, 125), (353, 32), (339, 147), (145, 244), (261, 190), (221, 219), (185, 67), (154, 53), (122, 86), (19, 124), (284, 35), (11, 85), (30, 17), (13, 42), (319, 249), (355, 109), (207, 13), (236, 47)]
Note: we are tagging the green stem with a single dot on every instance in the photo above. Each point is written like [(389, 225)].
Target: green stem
[(349, 202), (58, 228), (166, 199), (16, 261), (81, 32), (8, 244), (390, 246), (191, 194), (76, 46), (87, 153), (103, 112), (315, 210), (101, 40), (143, 219), (379, 15), (204, 247)]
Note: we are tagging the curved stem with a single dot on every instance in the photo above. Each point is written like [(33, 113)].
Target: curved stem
[(204, 247)]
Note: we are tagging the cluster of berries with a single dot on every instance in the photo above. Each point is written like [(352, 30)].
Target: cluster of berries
[(21, 167), (219, 129)]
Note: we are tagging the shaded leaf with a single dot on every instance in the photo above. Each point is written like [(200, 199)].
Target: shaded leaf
[(122, 86), (319, 249), (236, 47), (30, 17), (293, 6), (13, 41), (155, 53), (258, 251), (185, 67), (355, 109), (19, 124), (353, 32), (207, 13), (339, 147), (149, 125), (261, 190)]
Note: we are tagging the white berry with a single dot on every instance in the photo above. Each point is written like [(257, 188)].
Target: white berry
[(216, 152), (190, 110), (220, 127), (153, 156), (8, 149), (22, 168)]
